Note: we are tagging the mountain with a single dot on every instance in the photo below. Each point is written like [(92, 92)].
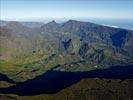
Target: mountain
[(29, 49), (3, 23), (32, 24), (88, 88), (28, 24)]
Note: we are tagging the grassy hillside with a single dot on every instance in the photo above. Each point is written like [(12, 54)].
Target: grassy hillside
[(86, 89), (4, 84), (27, 52)]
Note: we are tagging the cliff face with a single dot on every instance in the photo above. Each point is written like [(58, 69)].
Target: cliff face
[(73, 45)]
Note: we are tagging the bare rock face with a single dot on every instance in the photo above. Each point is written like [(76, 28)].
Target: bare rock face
[(84, 43)]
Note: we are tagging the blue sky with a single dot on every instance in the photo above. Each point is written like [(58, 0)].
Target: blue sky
[(21, 9)]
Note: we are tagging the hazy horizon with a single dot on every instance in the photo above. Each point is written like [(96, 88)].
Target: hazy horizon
[(54, 9), (106, 12), (117, 23)]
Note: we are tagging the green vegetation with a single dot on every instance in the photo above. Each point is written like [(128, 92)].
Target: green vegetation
[(4, 84), (87, 89), (75, 46)]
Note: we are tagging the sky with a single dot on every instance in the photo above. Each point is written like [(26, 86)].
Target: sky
[(24, 9)]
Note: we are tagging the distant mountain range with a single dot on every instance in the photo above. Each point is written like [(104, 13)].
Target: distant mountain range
[(28, 49)]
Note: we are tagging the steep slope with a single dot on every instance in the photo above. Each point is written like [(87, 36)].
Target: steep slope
[(86, 89), (27, 52)]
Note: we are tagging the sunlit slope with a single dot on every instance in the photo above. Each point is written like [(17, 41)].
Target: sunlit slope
[(26, 52)]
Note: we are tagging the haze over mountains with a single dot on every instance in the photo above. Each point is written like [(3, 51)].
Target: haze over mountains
[(112, 22), (28, 49)]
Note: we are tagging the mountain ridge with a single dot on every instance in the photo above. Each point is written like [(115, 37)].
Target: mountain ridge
[(73, 45)]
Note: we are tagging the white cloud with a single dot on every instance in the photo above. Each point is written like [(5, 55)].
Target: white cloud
[(111, 26)]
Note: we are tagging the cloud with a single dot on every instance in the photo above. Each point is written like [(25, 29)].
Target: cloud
[(111, 26)]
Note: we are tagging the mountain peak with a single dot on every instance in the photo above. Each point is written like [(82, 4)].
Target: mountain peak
[(51, 26), (72, 21), (53, 22)]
